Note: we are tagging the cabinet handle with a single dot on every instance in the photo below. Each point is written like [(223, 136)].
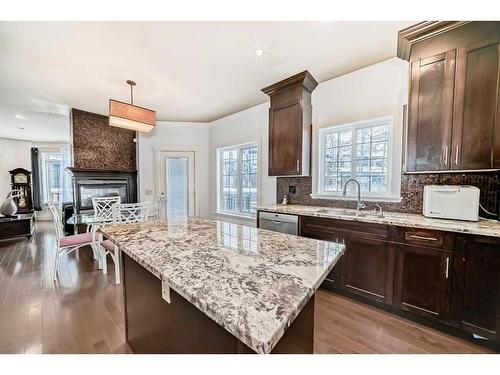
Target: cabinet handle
[(446, 272), (417, 237), (456, 155), (298, 165), (446, 155)]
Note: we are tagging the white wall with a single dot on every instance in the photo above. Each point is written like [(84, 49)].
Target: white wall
[(13, 154), (375, 91), (378, 90), (247, 126), (175, 136)]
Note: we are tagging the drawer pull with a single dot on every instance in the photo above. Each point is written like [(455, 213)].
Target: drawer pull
[(417, 237)]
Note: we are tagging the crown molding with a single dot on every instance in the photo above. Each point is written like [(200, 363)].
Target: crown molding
[(420, 32)]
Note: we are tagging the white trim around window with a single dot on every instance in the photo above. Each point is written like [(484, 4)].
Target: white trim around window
[(363, 150), (244, 174)]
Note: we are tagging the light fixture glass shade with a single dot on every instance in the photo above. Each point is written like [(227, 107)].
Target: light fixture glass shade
[(131, 117)]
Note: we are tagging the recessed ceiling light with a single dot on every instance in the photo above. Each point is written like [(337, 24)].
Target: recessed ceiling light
[(20, 117), (259, 52)]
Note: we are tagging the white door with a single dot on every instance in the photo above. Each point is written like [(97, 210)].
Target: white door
[(176, 182)]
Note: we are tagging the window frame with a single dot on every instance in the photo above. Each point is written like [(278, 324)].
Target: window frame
[(389, 194), (220, 179)]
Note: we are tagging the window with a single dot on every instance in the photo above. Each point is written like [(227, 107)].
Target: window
[(238, 180), (361, 150)]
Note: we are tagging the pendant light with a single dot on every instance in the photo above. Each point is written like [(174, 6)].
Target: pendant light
[(130, 116)]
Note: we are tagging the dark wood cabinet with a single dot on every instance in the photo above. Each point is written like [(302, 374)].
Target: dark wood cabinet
[(477, 286), (368, 270), (431, 112), (290, 121), (423, 281), (446, 278), (454, 102), (285, 139), (476, 142)]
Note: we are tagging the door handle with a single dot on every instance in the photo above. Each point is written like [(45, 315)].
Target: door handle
[(416, 237), (456, 154), (447, 269), (298, 165), (446, 155)]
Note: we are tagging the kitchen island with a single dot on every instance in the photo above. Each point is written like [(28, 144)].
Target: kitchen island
[(202, 286)]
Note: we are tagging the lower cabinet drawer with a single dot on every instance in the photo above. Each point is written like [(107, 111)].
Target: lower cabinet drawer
[(426, 237)]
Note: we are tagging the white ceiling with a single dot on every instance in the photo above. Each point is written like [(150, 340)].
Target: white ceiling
[(186, 71)]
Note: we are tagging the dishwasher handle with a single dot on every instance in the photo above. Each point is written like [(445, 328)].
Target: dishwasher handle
[(281, 218)]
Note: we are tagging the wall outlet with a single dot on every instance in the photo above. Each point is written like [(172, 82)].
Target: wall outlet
[(292, 189), (149, 192)]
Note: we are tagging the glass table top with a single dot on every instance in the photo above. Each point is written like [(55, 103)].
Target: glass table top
[(88, 219), (85, 218)]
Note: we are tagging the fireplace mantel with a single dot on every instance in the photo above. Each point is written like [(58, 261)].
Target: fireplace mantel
[(124, 183)]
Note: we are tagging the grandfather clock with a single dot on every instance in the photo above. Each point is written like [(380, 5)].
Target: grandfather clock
[(21, 180)]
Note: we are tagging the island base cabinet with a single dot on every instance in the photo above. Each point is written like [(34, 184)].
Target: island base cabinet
[(152, 325), (477, 286), (423, 281)]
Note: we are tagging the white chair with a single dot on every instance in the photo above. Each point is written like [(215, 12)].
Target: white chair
[(67, 244), (103, 207), (103, 213), (122, 214)]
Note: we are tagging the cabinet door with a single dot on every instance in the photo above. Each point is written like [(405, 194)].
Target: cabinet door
[(285, 139), (368, 270), (423, 281), (476, 124), (478, 286), (335, 278), (430, 113)]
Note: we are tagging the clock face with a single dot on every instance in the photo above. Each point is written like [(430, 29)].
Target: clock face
[(20, 178)]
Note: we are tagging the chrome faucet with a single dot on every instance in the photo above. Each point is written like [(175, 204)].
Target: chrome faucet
[(360, 205)]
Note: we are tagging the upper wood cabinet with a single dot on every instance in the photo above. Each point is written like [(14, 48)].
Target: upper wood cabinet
[(476, 128), (431, 112), (454, 101), (290, 122)]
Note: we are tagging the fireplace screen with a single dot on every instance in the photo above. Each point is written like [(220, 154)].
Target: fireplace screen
[(100, 188)]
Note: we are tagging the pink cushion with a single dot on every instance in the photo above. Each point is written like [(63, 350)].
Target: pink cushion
[(108, 245), (75, 240)]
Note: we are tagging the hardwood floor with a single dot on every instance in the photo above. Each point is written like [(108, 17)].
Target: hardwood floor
[(83, 312)]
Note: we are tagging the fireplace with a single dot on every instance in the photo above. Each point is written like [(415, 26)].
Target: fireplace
[(94, 183)]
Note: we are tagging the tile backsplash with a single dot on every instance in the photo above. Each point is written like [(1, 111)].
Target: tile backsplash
[(412, 187)]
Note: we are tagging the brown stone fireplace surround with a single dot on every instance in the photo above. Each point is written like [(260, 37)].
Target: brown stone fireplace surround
[(104, 159)]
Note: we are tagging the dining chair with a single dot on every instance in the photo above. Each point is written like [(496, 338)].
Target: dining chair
[(103, 207), (122, 214), (102, 214), (67, 244)]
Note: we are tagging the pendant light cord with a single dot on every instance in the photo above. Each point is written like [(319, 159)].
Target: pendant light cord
[(132, 94)]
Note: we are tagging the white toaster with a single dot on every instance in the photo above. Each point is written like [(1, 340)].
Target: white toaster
[(451, 202)]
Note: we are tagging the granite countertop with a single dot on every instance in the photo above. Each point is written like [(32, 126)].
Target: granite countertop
[(482, 227), (252, 282)]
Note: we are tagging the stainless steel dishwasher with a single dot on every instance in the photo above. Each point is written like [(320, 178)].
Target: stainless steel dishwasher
[(283, 223)]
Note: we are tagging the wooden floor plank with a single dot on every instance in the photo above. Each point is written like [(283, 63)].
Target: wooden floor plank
[(83, 311)]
